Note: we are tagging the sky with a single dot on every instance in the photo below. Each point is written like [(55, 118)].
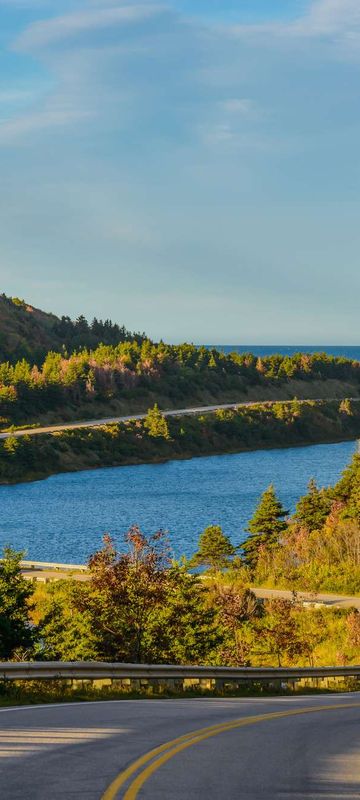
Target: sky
[(186, 167)]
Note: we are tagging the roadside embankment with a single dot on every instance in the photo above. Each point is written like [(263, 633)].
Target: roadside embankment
[(156, 439)]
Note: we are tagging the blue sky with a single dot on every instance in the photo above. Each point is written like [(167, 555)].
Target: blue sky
[(187, 167)]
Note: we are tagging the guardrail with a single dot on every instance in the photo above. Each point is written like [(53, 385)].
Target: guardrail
[(94, 670), (49, 565)]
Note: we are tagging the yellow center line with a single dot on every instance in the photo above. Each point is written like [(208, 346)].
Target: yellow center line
[(169, 749)]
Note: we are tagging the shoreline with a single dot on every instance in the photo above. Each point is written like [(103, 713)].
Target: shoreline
[(138, 462)]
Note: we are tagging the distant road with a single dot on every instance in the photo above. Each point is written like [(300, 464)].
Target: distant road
[(47, 571), (95, 423), (338, 600), (178, 412), (190, 749)]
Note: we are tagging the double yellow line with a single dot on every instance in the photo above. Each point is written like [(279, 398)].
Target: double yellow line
[(160, 755)]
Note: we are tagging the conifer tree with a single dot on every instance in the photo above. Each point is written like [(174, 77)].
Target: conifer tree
[(156, 424), (214, 549), (313, 508), (265, 527)]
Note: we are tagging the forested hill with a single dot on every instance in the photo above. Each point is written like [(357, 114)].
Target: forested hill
[(54, 369), (27, 332)]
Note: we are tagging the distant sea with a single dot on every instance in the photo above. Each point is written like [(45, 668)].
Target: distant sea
[(345, 351)]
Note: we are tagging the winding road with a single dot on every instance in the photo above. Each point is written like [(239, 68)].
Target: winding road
[(287, 748)]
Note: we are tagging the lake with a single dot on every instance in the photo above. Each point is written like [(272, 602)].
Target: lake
[(63, 518)]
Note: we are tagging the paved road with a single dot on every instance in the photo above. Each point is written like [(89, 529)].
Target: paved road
[(259, 749), (338, 600), (92, 423), (47, 571)]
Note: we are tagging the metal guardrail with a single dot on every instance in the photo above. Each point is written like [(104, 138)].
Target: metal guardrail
[(94, 670), (49, 565)]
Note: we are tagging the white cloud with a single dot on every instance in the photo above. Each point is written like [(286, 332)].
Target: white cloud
[(238, 105), (330, 16), (324, 18), (48, 32), (13, 129)]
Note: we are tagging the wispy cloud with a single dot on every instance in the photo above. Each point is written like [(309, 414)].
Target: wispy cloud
[(238, 105), (51, 31), (323, 18), (12, 130), (193, 143)]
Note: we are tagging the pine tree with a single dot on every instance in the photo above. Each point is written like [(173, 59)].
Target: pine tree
[(214, 549), (265, 527), (345, 407), (156, 424), (313, 508)]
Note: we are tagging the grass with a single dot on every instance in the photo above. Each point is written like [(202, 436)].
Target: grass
[(40, 692)]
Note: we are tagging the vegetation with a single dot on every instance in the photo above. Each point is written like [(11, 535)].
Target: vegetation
[(157, 438), (80, 370), (265, 528), (28, 333), (15, 592), (215, 549), (319, 547), (138, 605)]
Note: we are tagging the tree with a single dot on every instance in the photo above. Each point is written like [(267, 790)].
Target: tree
[(15, 593), (266, 527), (353, 628), (312, 509), (11, 445), (66, 632), (136, 607), (186, 629), (125, 593), (214, 549), (345, 407), (277, 632), (156, 424), (236, 609)]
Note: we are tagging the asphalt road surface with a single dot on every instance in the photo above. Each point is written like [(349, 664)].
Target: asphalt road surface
[(309, 598), (240, 749), (179, 412)]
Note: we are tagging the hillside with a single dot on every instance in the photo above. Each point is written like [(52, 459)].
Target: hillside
[(64, 370), (27, 332)]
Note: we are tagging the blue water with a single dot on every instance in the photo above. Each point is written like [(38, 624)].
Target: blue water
[(63, 518), (344, 351)]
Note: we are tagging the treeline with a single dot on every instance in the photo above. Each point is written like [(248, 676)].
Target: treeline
[(131, 375), (29, 333), (80, 334), (159, 438)]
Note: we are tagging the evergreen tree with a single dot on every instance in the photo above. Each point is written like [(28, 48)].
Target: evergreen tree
[(156, 424), (345, 407), (265, 527), (15, 592), (214, 549), (313, 508)]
